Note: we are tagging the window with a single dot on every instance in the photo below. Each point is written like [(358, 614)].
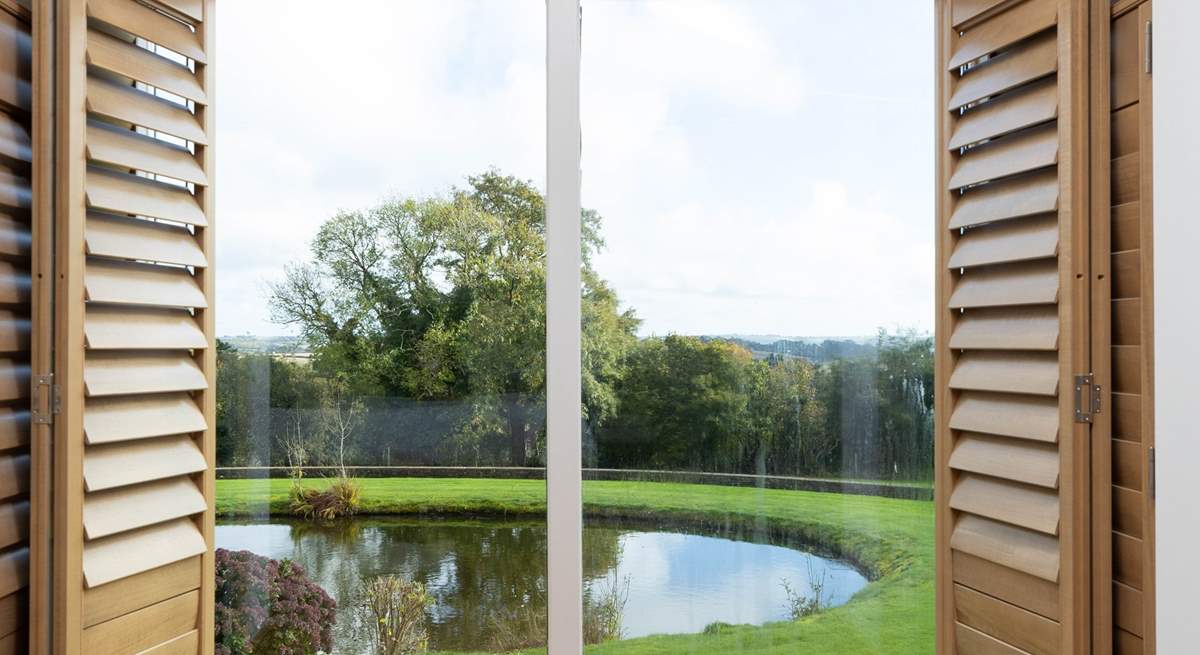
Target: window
[(757, 324), (381, 384)]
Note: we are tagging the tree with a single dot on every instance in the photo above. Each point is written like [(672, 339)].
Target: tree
[(780, 411), (443, 298), (340, 417), (682, 406)]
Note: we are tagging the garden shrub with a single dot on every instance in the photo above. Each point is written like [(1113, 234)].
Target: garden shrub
[(394, 612), (522, 628), (341, 498), (269, 607), (800, 605), (604, 611)]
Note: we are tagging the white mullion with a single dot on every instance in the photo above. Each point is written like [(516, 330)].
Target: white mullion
[(564, 492)]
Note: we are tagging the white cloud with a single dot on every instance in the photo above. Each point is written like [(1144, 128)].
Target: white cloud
[(757, 168), (746, 182), (828, 266), (328, 110)]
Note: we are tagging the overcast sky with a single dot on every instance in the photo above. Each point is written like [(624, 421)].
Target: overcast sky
[(762, 166)]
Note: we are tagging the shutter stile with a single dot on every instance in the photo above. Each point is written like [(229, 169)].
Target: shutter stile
[(1006, 521), (144, 401)]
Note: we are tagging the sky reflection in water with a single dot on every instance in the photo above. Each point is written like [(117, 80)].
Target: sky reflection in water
[(479, 571)]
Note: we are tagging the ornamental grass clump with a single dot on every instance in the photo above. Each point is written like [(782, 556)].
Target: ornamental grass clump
[(269, 607), (341, 498), (604, 611), (393, 611)]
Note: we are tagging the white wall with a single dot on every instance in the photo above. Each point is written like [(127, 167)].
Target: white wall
[(1176, 317)]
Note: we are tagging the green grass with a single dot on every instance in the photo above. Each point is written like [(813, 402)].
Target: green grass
[(893, 540)]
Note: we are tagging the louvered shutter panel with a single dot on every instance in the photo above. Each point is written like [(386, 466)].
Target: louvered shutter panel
[(16, 196), (138, 344), (1012, 502), (1123, 239)]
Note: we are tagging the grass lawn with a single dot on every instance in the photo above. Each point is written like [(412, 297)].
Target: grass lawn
[(891, 539)]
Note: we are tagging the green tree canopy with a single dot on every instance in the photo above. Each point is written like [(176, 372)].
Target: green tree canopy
[(443, 298)]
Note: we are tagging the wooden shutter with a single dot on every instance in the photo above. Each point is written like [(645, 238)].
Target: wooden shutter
[(16, 252), (1012, 483), (1123, 300), (135, 568)]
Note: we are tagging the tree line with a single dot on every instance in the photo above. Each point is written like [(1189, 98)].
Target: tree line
[(425, 318)]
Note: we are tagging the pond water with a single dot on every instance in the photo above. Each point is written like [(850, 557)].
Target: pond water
[(483, 573)]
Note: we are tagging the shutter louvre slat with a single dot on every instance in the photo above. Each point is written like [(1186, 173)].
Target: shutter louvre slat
[(129, 508), (135, 107), (1033, 373), (118, 328), (1029, 283), (1010, 459), (14, 475), (141, 284), (14, 523), (14, 378), (1007, 156), (14, 427), (1017, 548), (1024, 417), (138, 239), (193, 9), (14, 571), (143, 21), (113, 420), (128, 149), (1009, 242), (14, 331), (1015, 328), (965, 10), (120, 193), (145, 460), (15, 284), (141, 65), (1024, 108), (120, 373), (1030, 61), (123, 555), (1021, 22), (1027, 195), (1023, 506), (15, 239)]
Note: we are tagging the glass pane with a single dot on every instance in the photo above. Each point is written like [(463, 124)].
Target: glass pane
[(757, 326), (382, 311)]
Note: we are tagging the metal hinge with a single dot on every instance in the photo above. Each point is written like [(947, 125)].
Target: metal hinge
[(1148, 55), (45, 399), (1087, 398)]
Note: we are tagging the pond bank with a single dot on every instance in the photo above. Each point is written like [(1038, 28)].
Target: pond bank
[(893, 540)]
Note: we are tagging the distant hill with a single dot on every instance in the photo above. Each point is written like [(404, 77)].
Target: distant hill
[(815, 349), (770, 339), (266, 345)]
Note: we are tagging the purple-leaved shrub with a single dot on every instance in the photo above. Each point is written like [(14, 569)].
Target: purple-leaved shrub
[(269, 607)]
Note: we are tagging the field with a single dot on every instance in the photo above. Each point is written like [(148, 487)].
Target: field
[(891, 539)]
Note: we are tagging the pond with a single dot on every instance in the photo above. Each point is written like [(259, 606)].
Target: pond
[(484, 573)]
